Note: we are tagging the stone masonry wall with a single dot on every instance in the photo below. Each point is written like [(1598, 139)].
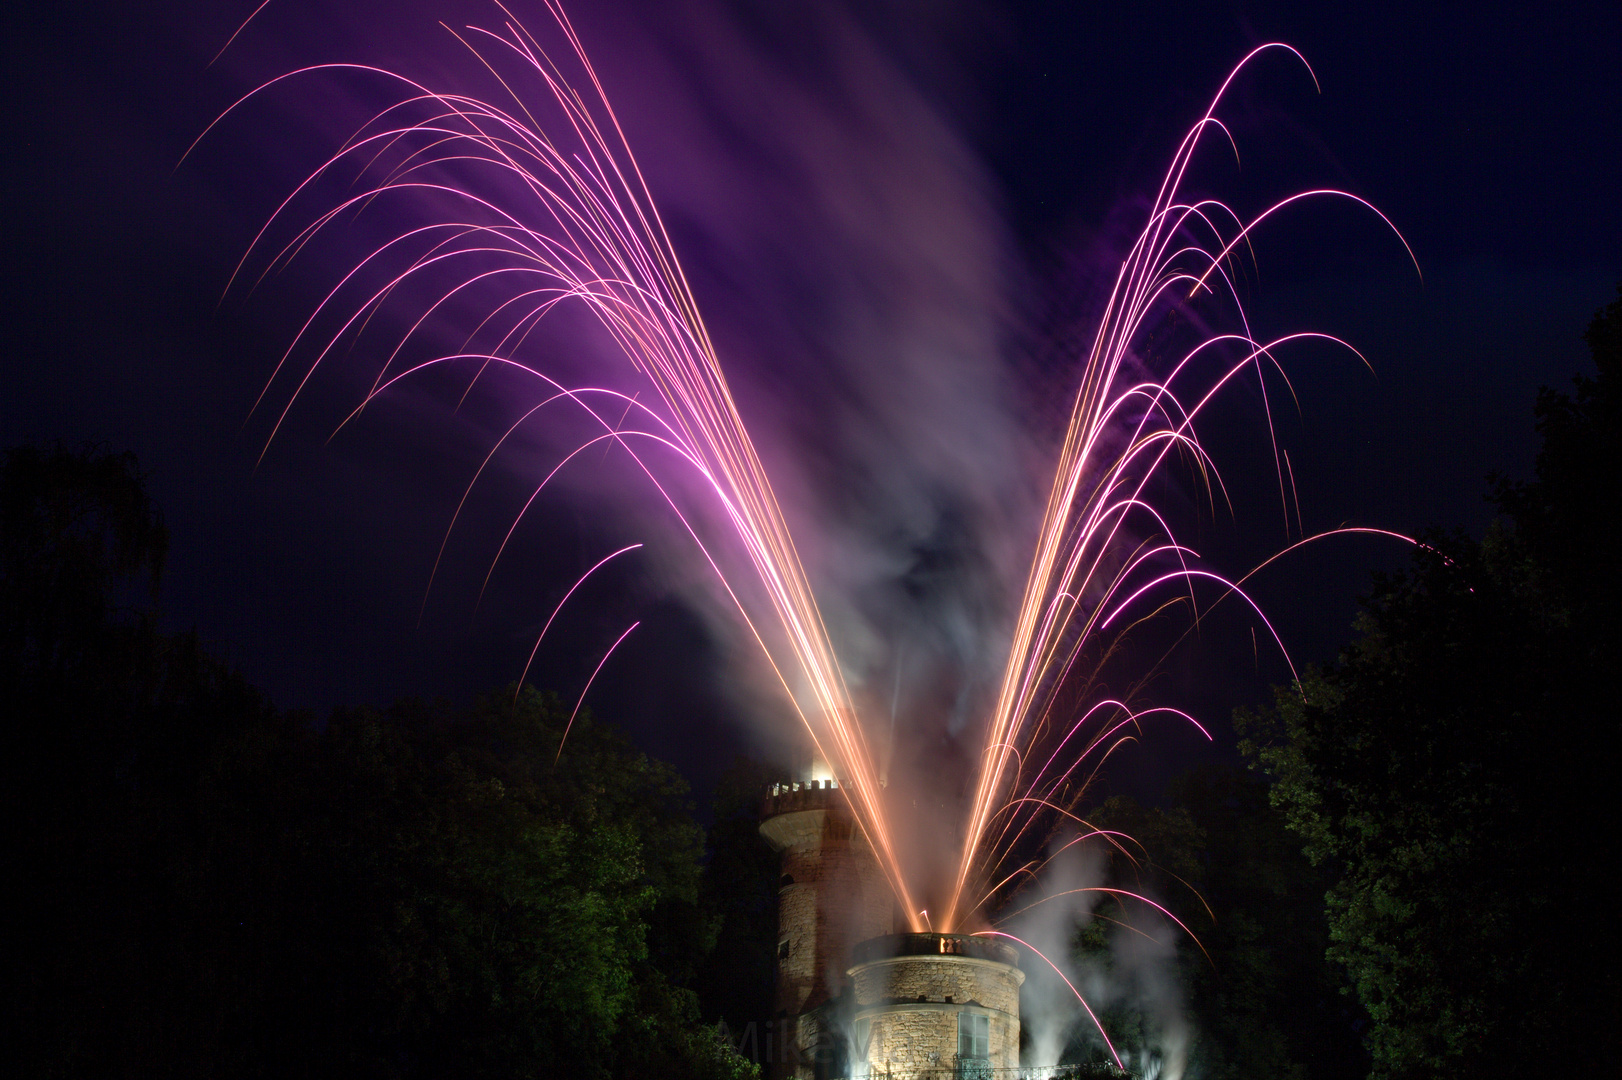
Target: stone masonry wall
[(911, 1005), (832, 895)]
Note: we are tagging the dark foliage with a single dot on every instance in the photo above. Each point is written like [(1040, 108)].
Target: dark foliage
[(201, 886), (77, 530), (1258, 996), (737, 980), (1450, 771)]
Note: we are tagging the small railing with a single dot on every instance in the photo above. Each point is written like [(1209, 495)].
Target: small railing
[(976, 1070), (897, 945)]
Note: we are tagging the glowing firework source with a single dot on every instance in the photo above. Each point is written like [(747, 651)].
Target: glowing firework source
[(512, 219), (832, 894), (935, 1004)]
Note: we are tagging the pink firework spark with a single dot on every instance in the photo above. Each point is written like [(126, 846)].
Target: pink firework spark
[(541, 218)]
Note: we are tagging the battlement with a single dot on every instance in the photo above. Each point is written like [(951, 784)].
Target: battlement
[(801, 795)]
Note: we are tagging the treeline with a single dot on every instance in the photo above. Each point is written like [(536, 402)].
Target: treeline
[(201, 885), (1253, 993), (1410, 881), (1430, 824)]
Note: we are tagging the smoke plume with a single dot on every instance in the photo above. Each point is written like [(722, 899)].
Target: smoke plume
[(852, 263), (1131, 984)]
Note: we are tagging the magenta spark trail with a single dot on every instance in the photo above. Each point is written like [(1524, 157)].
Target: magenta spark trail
[(544, 218), (521, 219), (1123, 428)]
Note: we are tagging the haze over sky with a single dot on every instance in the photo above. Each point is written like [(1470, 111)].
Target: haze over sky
[(857, 192)]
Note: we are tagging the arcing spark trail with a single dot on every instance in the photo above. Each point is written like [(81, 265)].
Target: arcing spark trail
[(1123, 427), (585, 230), (519, 219)]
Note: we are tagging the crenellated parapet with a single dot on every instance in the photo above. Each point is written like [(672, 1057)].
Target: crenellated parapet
[(800, 795)]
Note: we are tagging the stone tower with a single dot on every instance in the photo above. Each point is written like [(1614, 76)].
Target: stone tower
[(831, 895), (945, 1005)]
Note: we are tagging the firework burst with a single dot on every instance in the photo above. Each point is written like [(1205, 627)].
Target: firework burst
[(1104, 550), (518, 219)]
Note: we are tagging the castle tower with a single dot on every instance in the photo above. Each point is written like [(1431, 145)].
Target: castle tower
[(938, 1004), (831, 895)]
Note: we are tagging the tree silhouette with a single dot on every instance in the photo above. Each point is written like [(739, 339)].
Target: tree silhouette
[(1450, 769)]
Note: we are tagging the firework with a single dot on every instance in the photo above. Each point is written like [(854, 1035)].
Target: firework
[(1123, 428), (539, 221), (520, 219)]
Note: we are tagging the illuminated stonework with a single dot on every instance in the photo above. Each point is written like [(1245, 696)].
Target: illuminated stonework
[(854, 999), (928, 1002), (831, 895)]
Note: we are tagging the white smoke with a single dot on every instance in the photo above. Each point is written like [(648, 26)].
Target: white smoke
[(1049, 1011), (848, 253), (1135, 984)]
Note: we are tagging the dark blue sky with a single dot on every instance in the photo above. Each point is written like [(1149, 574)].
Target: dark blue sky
[(1491, 138)]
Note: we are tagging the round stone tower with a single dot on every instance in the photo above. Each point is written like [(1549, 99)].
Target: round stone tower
[(831, 895), (941, 1003)]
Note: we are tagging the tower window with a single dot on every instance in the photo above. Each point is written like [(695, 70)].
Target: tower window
[(864, 1036), (973, 1037)]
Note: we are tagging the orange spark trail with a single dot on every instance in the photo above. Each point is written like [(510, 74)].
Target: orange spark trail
[(585, 230), (546, 217)]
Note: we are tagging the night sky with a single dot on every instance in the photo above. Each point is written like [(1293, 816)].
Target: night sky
[(855, 192)]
